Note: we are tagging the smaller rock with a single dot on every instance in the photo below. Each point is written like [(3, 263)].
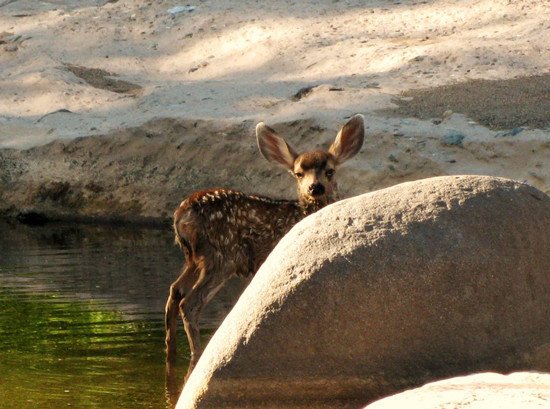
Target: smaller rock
[(11, 47), (418, 58), (372, 85), (302, 93), (447, 114), (510, 132), (13, 38), (453, 138), (516, 131), (174, 11), (4, 35)]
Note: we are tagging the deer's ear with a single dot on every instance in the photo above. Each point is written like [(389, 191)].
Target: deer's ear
[(273, 147), (349, 140)]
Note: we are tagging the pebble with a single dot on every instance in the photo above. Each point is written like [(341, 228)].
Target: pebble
[(418, 58), (510, 132), (447, 114), (392, 158), (516, 131), (453, 138), (180, 9), (12, 38)]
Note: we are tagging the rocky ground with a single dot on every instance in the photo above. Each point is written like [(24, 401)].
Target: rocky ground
[(115, 110)]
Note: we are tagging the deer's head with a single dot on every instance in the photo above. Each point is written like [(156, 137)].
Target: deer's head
[(314, 171)]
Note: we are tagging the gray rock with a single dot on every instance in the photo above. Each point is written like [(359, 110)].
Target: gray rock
[(510, 132), (11, 48), (525, 390), (13, 38), (174, 11), (453, 137), (392, 158), (387, 291), (516, 131), (418, 58)]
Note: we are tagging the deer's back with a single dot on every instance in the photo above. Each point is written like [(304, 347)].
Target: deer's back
[(233, 230)]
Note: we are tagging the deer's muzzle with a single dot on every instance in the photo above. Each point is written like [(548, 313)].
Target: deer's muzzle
[(316, 189)]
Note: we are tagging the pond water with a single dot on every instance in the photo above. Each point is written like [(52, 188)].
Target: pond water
[(81, 316)]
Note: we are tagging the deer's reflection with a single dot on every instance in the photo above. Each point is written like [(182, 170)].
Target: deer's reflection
[(174, 384)]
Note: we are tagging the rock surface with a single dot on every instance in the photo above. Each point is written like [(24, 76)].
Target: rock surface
[(480, 391), (387, 291)]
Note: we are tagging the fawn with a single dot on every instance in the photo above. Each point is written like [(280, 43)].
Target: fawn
[(223, 232)]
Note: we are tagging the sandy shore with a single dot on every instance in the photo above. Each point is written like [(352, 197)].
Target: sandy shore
[(120, 108)]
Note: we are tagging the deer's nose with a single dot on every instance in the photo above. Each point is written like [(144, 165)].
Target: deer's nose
[(316, 189)]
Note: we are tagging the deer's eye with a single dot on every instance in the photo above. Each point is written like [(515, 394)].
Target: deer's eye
[(329, 173), (299, 175)]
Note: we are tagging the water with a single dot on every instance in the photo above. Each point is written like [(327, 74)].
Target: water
[(81, 316)]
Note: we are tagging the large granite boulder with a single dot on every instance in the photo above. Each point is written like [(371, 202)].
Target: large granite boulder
[(386, 291), (519, 390)]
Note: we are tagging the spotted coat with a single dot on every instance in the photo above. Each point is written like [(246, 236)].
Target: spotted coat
[(237, 229)]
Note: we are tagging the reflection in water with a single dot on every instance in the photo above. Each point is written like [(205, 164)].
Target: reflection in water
[(81, 316)]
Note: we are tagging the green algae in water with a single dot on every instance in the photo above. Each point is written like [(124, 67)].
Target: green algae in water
[(61, 353)]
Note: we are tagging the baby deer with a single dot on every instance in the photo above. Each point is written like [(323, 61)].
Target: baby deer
[(223, 232)]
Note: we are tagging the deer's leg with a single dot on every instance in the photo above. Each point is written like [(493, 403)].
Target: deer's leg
[(170, 322), (191, 307), (178, 290), (190, 315)]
